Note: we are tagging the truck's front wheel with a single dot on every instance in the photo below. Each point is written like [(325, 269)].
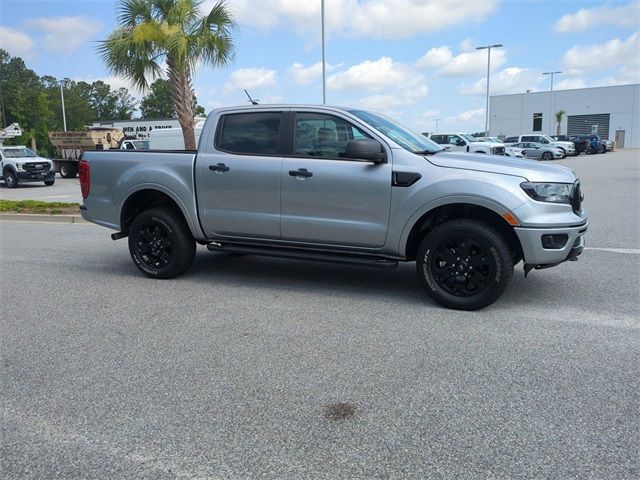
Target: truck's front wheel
[(464, 264), (161, 244)]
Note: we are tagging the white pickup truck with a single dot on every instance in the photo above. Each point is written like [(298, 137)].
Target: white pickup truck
[(21, 164), (463, 142)]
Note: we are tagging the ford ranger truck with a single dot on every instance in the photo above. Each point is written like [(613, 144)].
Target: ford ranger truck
[(342, 185)]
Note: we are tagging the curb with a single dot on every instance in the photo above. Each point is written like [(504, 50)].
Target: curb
[(41, 218)]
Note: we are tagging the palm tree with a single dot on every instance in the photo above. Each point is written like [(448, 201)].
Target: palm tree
[(559, 115), (151, 33)]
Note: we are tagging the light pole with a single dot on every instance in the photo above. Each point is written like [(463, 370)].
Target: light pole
[(324, 76), (486, 110), (64, 115), (436, 120), (551, 100)]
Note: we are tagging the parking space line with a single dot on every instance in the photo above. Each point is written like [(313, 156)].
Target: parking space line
[(633, 251)]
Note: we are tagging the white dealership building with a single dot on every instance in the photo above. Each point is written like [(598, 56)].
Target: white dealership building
[(611, 112)]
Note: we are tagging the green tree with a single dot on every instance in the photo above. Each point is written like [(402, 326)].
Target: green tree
[(158, 103), (125, 104), (152, 31), (559, 115)]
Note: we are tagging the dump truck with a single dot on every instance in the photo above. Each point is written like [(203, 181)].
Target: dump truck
[(69, 146)]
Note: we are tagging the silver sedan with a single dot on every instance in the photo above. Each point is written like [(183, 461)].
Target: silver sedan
[(538, 151)]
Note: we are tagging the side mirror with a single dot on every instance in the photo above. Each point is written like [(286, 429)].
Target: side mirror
[(366, 150), (461, 143)]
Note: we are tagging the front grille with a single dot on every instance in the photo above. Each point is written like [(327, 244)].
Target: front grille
[(498, 150), (35, 167), (576, 197)]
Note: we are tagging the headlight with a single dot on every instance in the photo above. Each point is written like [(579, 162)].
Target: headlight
[(548, 192)]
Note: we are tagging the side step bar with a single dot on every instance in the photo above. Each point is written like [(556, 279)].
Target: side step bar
[(299, 254)]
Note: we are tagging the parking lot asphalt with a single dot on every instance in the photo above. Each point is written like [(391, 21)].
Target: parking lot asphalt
[(64, 190), (250, 367)]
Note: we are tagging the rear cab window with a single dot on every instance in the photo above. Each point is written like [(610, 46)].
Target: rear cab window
[(251, 133)]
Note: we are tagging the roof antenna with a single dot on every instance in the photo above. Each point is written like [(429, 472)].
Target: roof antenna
[(253, 102)]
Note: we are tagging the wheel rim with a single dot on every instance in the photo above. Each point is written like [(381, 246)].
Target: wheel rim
[(546, 156), (154, 246), (9, 180), (463, 266)]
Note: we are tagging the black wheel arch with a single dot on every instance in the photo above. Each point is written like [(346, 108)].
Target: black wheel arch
[(145, 199), (443, 213)]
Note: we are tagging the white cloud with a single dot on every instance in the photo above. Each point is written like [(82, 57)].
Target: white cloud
[(509, 80), (604, 55), (570, 83), (467, 45), (250, 78), (16, 43), (359, 18), (302, 75), (371, 76), (472, 63), (64, 34), (466, 63), (390, 102), (587, 18), (436, 57)]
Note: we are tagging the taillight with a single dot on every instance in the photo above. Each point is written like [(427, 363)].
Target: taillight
[(85, 177)]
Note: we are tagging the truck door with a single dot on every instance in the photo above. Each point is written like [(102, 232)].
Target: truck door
[(329, 199), (238, 181)]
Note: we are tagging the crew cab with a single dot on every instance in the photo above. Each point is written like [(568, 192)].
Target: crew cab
[(464, 142), (342, 185), (23, 165), (568, 148)]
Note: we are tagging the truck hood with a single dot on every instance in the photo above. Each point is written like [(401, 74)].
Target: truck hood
[(531, 170)]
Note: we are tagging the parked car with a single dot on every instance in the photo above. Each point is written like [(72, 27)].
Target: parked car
[(23, 165), (594, 143), (463, 142), (608, 144), (568, 148), (538, 151), (511, 151), (343, 185)]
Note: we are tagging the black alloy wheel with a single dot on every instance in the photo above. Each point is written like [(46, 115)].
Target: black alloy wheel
[(465, 264), (160, 243)]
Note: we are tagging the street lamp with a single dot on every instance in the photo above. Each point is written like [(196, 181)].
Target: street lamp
[(64, 115), (324, 76), (486, 110), (551, 100)]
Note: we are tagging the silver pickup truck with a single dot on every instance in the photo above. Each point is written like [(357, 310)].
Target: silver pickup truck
[(343, 185)]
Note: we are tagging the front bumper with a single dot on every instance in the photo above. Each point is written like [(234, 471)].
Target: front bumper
[(535, 254), (35, 176)]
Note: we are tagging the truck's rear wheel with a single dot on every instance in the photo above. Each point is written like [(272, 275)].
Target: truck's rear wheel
[(161, 244), (68, 170), (464, 264)]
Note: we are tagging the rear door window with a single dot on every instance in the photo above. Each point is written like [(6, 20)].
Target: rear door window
[(254, 133)]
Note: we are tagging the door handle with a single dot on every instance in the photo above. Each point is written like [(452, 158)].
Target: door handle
[(301, 172), (221, 167)]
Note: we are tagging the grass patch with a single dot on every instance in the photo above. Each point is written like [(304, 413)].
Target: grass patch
[(35, 206)]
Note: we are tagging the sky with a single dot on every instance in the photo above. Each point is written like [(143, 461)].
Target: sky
[(413, 60)]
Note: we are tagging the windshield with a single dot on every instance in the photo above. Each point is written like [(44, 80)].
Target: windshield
[(18, 153), (544, 139), (469, 138), (407, 139)]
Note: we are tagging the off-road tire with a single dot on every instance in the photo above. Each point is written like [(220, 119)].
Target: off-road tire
[(498, 255), (177, 250)]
